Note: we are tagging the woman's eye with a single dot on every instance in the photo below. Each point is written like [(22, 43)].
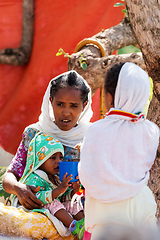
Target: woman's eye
[(53, 158), (61, 158), (60, 104), (74, 105)]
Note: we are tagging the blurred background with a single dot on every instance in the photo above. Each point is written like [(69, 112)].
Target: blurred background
[(57, 24)]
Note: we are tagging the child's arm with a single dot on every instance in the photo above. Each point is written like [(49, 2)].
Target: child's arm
[(67, 196), (46, 194), (62, 187)]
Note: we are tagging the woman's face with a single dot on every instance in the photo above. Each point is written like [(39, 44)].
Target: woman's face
[(67, 107)]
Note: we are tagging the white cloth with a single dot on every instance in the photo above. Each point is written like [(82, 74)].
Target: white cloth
[(46, 119), (134, 211), (117, 154)]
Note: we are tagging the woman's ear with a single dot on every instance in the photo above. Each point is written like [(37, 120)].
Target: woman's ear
[(50, 99), (84, 104), (109, 101)]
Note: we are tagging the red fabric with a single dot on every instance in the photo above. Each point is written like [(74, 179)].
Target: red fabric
[(57, 24), (87, 236)]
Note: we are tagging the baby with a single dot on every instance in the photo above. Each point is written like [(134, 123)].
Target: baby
[(44, 154)]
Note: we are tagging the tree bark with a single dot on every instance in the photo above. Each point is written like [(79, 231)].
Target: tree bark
[(146, 28), (21, 55)]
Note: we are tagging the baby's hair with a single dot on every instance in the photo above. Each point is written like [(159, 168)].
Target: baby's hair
[(111, 78), (70, 80)]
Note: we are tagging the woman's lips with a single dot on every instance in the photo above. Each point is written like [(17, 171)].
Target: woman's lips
[(65, 121)]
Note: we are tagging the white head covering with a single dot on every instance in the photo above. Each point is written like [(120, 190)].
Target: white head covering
[(117, 153), (46, 119), (134, 84)]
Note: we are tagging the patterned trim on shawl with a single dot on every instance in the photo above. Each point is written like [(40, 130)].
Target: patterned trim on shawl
[(131, 116)]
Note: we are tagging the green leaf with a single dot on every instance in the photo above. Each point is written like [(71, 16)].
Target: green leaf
[(3, 193), (118, 4), (59, 53), (124, 11), (83, 65)]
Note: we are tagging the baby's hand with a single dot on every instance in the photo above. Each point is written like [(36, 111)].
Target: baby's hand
[(65, 182), (76, 185)]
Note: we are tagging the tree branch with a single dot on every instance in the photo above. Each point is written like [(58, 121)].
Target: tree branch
[(21, 55), (117, 37), (111, 39), (97, 67)]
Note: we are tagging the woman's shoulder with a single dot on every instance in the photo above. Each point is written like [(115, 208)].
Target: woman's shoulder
[(28, 135), (71, 154), (153, 129), (30, 132)]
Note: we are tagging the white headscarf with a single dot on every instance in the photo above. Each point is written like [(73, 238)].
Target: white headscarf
[(117, 153), (46, 119)]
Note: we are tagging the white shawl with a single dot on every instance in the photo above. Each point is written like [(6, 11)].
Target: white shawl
[(46, 119), (117, 153)]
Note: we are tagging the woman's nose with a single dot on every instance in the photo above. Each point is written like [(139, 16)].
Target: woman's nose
[(66, 112)]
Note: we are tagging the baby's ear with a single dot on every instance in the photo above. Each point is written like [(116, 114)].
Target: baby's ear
[(78, 146)]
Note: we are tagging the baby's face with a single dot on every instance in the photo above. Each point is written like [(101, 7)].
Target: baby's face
[(51, 165)]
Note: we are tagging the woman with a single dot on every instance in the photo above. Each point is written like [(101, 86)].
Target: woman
[(118, 153), (65, 114)]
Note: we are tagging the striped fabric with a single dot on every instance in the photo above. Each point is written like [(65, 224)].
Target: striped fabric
[(131, 116)]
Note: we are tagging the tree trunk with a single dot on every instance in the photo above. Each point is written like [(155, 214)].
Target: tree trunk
[(146, 28)]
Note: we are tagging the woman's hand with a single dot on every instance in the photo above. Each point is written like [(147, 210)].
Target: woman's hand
[(78, 146), (26, 196)]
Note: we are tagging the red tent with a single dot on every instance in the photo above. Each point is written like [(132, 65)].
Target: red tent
[(57, 24)]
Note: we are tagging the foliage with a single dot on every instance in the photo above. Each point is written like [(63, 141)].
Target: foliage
[(119, 4), (82, 60), (128, 49), (3, 193), (61, 52)]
